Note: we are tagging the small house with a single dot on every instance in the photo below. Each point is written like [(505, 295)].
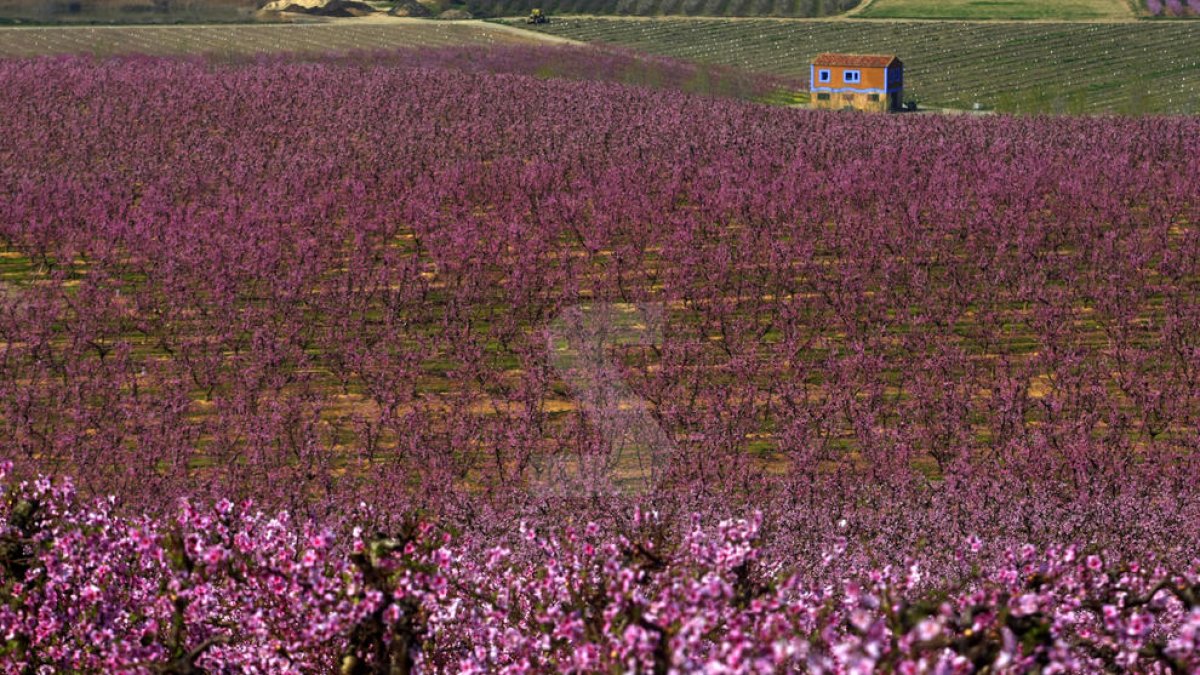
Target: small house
[(872, 82)]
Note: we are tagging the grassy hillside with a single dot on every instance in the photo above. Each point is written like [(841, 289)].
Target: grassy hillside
[(788, 8), (1131, 67), (236, 40), (1058, 10)]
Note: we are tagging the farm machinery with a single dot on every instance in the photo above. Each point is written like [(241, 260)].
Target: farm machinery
[(536, 16)]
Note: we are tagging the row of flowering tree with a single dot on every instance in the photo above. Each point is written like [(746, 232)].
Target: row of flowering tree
[(1173, 7), (228, 589)]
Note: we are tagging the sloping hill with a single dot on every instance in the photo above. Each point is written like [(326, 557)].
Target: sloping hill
[(338, 35), (1135, 66)]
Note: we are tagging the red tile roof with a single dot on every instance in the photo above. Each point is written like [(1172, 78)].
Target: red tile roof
[(856, 60)]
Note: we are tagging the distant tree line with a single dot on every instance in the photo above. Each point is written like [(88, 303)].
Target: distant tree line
[(127, 10)]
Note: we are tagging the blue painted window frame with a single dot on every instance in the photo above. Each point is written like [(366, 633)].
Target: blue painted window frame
[(824, 75), (857, 76)]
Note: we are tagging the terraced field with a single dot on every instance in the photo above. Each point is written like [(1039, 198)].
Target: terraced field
[(1057, 10), (233, 40), (789, 8), (1137, 67)]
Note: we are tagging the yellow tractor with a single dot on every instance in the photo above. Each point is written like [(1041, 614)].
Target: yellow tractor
[(536, 16)]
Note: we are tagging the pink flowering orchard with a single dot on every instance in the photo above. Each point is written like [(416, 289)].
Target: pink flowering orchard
[(230, 589), (559, 360)]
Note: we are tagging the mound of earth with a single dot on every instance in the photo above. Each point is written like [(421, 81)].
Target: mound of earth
[(340, 8), (409, 8), (456, 14)]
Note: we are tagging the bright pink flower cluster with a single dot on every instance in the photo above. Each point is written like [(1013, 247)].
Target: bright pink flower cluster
[(227, 588), (226, 585)]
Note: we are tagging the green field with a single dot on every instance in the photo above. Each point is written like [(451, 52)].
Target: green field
[(1056, 10), (1131, 67), (778, 8), (245, 39)]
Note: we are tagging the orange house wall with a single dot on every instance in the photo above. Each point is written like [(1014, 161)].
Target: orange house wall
[(872, 78)]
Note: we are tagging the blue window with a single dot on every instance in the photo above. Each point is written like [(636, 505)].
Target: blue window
[(853, 76), (823, 76)]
